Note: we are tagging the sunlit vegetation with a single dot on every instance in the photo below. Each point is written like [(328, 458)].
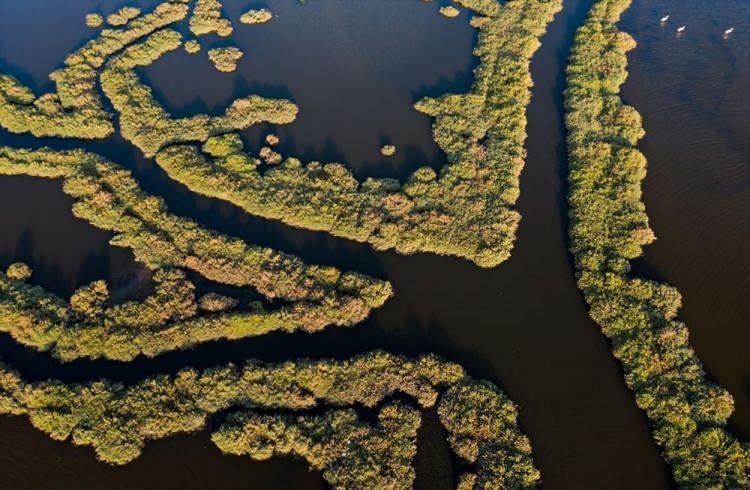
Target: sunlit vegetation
[(94, 20), (225, 59), (349, 453), (75, 110), (449, 11), (192, 46), (118, 420), (608, 228), (387, 150), (123, 16), (207, 19), (145, 123), (256, 16), (468, 210), (109, 198)]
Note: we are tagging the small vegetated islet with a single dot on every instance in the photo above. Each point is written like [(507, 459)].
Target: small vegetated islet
[(608, 228)]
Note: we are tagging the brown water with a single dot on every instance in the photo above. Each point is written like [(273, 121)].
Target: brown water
[(522, 325)]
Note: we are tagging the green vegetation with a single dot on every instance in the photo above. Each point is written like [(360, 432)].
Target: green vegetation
[(256, 16), (467, 211), (75, 110), (351, 454), (449, 11), (145, 123), (207, 19), (123, 16), (608, 228), (225, 59), (109, 198), (94, 20), (192, 46), (387, 150), (117, 420)]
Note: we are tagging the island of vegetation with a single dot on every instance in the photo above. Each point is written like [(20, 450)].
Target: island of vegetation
[(109, 198), (225, 59), (608, 228), (118, 420), (256, 16), (192, 46), (94, 20), (207, 19), (449, 11), (388, 150)]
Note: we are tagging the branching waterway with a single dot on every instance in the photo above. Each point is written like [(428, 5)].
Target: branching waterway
[(522, 325)]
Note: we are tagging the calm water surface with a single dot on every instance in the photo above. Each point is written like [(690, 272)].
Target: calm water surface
[(355, 68)]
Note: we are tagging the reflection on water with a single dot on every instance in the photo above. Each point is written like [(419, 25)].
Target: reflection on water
[(522, 325)]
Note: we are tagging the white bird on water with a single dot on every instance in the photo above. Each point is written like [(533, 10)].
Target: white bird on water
[(664, 19), (729, 31), (681, 28)]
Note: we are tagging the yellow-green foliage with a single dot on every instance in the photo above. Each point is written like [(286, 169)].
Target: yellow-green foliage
[(256, 16), (94, 20), (449, 11), (75, 109), (117, 421), (468, 210), (608, 227), (109, 198), (145, 123), (225, 59), (123, 16), (207, 19), (192, 46), (349, 453)]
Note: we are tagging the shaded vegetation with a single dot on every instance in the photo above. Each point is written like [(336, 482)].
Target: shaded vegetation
[(117, 420), (75, 110), (225, 59), (109, 198), (608, 228)]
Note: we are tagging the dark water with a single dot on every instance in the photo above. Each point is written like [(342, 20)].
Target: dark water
[(522, 325)]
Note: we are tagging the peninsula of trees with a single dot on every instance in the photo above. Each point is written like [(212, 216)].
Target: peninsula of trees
[(608, 228), (117, 420)]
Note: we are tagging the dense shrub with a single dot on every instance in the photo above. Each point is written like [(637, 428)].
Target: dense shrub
[(608, 227)]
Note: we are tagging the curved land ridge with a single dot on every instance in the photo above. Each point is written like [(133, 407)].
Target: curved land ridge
[(307, 407), (608, 228)]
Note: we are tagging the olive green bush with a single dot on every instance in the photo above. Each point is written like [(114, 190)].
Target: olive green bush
[(207, 19), (608, 228)]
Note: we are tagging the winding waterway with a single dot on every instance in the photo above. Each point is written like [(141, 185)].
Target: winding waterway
[(354, 68)]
